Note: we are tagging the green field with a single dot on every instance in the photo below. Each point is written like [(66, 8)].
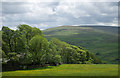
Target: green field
[(101, 40), (69, 70)]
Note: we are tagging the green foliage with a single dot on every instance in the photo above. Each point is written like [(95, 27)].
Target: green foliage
[(27, 46), (25, 58), (29, 32), (38, 48), (53, 55), (13, 57), (57, 59), (96, 60), (5, 47), (71, 54), (3, 54), (7, 38)]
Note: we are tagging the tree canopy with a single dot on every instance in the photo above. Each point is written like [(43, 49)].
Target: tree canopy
[(27, 46)]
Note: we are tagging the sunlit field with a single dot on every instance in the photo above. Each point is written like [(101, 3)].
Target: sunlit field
[(69, 70)]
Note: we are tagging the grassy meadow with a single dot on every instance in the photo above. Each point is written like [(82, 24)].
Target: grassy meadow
[(69, 70)]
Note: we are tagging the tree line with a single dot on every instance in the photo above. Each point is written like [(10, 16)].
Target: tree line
[(27, 48)]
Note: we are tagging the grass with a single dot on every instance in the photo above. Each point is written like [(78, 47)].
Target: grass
[(102, 40), (69, 70)]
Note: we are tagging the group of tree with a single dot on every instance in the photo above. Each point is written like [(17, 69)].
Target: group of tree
[(27, 47)]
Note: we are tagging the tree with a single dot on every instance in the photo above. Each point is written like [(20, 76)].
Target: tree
[(18, 42), (38, 48), (7, 37), (2, 55), (36, 31), (95, 59), (29, 32), (53, 55), (5, 47), (27, 46)]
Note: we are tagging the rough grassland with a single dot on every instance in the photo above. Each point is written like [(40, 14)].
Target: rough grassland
[(102, 41), (69, 70)]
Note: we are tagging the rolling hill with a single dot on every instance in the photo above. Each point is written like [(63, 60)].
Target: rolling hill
[(101, 40)]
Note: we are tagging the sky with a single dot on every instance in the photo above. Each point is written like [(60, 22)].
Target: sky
[(47, 14)]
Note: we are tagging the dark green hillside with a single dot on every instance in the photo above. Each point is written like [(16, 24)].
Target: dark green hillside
[(101, 40)]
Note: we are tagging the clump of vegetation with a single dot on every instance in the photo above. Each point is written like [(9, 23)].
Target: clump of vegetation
[(27, 47)]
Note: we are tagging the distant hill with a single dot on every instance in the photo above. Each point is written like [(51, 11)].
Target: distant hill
[(101, 40)]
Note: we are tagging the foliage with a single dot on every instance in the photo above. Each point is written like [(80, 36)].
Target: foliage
[(71, 54), (38, 49), (27, 47), (13, 57)]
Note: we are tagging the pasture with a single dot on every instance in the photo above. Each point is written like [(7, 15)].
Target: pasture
[(69, 70)]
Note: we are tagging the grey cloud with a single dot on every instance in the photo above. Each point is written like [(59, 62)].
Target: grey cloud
[(94, 10), (15, 7), (52, 14)]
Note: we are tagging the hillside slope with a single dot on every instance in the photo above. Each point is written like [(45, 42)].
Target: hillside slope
[(101, 40)]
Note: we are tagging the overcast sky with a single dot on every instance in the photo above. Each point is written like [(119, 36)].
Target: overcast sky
[(45, 15)]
